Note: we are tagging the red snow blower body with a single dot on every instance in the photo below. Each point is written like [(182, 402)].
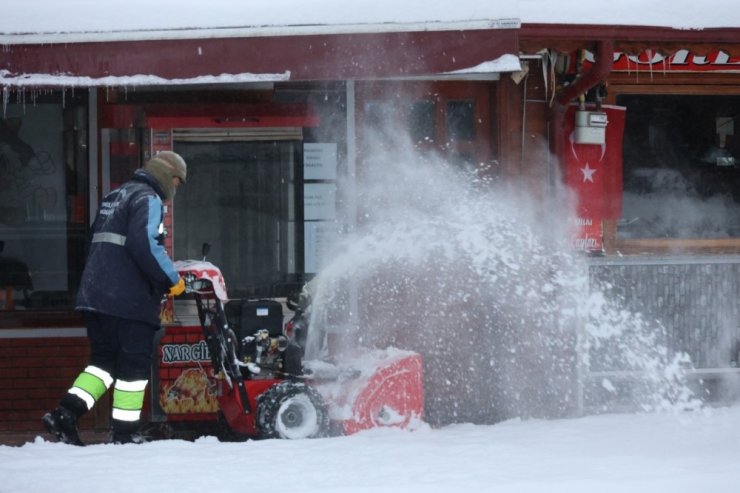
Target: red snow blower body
[(265, 389)]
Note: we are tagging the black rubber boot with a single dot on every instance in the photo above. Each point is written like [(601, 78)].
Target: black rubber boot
[(62, 423), (127, 432)]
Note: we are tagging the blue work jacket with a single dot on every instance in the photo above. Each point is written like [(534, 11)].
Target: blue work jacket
[(128, 270)]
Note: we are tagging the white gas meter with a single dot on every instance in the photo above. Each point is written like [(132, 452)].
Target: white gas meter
[(590, 127)]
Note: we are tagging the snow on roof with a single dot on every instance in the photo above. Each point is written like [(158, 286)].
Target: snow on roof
[(93, 20), (679, 14), (505, 63), (62, 80), (44, 21)]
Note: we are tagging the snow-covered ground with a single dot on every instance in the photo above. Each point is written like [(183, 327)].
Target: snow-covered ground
[(671, 453)]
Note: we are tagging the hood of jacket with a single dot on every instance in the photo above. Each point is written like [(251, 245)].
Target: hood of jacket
[(146, 177)]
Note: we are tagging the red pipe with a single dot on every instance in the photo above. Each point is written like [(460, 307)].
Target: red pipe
[(598, 73)]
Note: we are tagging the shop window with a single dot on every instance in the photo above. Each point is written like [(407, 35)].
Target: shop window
[(242, 197), (681, 167), (419, 118), (460, 120), (451, 119), (379, 114), (43, 202), (422, 126)]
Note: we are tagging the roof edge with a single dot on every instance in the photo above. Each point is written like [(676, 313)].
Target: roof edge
[(254, 31), (628, 33)]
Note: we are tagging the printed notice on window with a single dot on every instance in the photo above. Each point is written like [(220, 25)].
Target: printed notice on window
[(318, 236), (320, 161), (319, 201)]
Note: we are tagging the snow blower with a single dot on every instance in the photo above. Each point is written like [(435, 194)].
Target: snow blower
[(264, 387)]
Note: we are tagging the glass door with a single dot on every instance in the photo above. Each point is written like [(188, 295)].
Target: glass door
[(242, 197)]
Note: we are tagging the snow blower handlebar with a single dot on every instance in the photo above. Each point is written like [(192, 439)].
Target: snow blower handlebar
[(204, 281)]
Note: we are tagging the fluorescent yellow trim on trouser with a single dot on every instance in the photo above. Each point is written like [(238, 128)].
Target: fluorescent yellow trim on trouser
[(128, 399), (91, 384)]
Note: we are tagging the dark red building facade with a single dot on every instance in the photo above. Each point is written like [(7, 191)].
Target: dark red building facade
[(298, 105)]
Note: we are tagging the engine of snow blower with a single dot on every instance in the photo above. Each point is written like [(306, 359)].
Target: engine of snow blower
[(263, 347), (265, 389)]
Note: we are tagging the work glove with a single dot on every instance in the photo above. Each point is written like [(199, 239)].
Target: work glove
[(177, 289)]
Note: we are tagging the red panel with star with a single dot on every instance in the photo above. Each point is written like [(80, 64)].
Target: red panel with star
[(594, 173)]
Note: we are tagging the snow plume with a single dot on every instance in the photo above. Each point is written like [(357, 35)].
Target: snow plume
[(481, 281), (627, 357)]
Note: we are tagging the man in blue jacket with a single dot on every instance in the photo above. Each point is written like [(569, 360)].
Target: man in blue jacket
[(126, 276)]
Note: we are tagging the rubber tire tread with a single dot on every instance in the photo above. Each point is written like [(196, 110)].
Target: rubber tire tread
[(269, 402)]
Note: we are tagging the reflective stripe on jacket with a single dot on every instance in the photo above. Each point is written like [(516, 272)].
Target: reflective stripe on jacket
[(128, 269)]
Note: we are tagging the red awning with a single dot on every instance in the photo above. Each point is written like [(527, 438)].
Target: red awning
[(628, 39)]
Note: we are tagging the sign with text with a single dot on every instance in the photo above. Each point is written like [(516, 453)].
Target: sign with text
[(319, 161), (588, 234), (682, 60), (319, 201), (181, 381), (317, 236)]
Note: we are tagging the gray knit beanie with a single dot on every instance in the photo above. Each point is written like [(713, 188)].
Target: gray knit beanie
[(164, 166)]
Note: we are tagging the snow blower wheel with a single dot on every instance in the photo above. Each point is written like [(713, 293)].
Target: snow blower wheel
[(292, 410)]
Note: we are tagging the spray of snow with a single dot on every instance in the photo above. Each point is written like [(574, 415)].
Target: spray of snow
[(482, 282), (624, 345)]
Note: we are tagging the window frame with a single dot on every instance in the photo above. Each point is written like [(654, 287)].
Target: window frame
[(670, 85), (75, 158), (401, 95)]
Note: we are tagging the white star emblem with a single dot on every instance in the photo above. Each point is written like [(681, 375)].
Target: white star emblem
[(588, 173)]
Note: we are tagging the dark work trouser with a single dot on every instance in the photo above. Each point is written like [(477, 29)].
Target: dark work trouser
[(120, 353)]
